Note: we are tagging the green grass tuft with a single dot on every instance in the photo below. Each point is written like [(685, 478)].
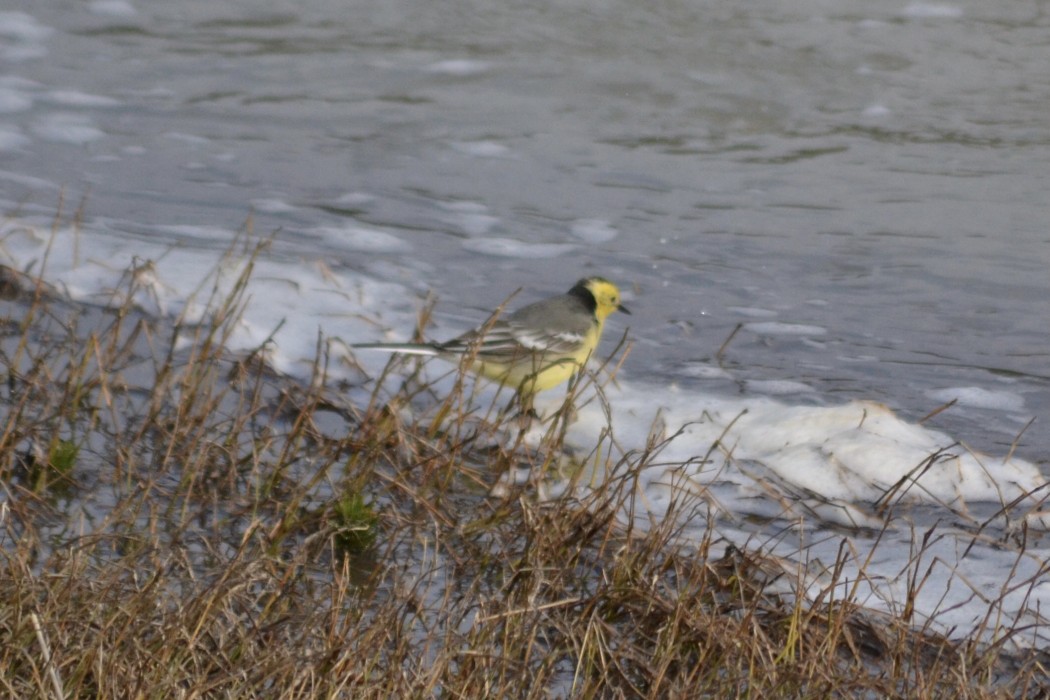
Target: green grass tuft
[(355, 522)]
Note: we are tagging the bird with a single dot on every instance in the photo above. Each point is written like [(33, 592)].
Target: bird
[(535, 348)]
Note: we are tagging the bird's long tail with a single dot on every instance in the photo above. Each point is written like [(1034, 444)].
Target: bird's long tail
[(401, 348)]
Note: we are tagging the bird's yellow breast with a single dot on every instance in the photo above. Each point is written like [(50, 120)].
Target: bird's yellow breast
[(535, 372)]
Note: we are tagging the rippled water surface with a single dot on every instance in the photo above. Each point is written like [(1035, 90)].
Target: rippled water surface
[(863, 185)]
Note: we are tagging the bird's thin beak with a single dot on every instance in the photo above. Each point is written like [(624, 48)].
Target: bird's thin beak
[(624, 309)]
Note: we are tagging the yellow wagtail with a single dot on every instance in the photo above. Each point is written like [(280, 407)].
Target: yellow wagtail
[(536, 347)]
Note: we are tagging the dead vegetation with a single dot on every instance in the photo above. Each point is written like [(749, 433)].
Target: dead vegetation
[(177, 522)]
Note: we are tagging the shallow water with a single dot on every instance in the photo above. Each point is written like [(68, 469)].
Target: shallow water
[(876, 172), (862, 188)]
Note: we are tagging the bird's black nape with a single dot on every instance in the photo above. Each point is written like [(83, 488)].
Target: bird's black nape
[(581, 292)]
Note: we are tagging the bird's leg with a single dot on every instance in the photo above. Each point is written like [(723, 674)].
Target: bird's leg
[(523, 411)]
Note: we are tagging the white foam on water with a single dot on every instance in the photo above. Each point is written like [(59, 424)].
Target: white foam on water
[(979, 397), (354, 199), (778, 328), (357, 238), (297, 297), (112, 8), (703, 371), (472, 218), (923, 10), (206, 235), (851, 452), (461, 67), (513, 248), (273, 205), (482, 149), (593, 231), (777, 387), (20, 26), (877, 110), (75, 98), (22, 37), (752, 312)]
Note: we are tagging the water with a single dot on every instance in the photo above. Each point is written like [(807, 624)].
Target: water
[(862, 186)]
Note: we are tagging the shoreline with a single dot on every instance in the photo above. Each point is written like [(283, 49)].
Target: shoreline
[(213, 507)]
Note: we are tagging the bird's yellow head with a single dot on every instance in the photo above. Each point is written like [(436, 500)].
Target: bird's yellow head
[(602, 294)]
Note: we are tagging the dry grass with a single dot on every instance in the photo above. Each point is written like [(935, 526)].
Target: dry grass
[(178, 522)]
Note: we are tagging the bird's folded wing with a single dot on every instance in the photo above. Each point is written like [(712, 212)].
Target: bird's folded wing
[(507, 341)]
